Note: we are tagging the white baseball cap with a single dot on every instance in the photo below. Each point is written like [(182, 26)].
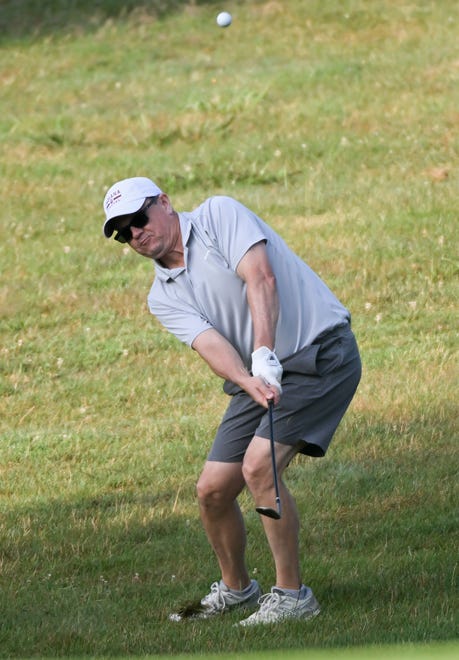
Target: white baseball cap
[(126, 196)]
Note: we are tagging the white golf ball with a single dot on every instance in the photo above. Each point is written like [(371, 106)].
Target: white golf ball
[(224, 19)]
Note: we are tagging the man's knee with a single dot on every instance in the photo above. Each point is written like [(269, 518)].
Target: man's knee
[(257, 465), (256, 469), (219, 483), (208, 491)]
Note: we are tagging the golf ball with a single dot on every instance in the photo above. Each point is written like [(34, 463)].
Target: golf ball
[(224, 19)]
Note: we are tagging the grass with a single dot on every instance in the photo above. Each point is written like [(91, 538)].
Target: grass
[(402, 652), (337, 122)]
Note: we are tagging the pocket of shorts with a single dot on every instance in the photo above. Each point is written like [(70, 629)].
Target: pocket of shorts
[(303, 362)]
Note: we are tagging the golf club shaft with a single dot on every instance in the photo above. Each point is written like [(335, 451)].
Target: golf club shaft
[(273, 454), (267, 510)]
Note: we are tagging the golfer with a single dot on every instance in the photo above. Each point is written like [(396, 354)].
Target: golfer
[(228, 286)]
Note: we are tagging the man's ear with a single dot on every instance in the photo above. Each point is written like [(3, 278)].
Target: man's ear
[(166, 203)]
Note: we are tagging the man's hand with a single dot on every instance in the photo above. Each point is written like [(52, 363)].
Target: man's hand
[(266, 365)]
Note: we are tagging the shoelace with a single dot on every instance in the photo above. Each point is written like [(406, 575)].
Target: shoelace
[(215, 600), (269, 602)]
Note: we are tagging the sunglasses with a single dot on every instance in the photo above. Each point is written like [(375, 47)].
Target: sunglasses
[(139, 220)]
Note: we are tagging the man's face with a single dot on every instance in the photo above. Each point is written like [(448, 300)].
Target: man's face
[(153, 232)]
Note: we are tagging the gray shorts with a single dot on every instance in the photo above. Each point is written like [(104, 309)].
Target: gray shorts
[(318, 384)]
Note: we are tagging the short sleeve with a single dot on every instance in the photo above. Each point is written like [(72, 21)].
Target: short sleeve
[(181, 319), (234, 229)]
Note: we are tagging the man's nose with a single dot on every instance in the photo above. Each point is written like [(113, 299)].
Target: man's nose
[(136, 231)]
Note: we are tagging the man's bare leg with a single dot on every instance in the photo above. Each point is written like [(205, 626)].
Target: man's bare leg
[(218, 488), (282, 534)]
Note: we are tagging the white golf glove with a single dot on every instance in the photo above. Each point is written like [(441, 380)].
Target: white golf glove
[(266, 365)]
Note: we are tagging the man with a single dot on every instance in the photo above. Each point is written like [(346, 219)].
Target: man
[(228, 286)]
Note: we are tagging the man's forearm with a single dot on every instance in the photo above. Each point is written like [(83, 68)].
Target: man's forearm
[(264, 309), (255, 269), (226, 362), (221, 356)]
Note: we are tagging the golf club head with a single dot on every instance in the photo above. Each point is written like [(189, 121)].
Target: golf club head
[(267, 511)]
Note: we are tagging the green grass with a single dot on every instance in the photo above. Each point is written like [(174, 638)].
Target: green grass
[(401, 652), (337, 122)]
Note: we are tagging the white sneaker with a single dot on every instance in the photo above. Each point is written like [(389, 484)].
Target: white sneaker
[(278, 606), (218, 601)]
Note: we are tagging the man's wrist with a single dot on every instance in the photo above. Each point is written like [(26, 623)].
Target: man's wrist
[(266, 365)]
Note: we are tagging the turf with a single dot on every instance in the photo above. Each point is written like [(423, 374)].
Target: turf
[(337, 122)]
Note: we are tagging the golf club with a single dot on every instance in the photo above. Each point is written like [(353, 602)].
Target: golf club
[(266, 510)]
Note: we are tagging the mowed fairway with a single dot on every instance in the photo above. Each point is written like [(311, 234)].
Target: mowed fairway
[(338, 123), (394, 652)]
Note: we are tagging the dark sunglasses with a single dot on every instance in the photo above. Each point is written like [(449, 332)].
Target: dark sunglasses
[(138, 220)]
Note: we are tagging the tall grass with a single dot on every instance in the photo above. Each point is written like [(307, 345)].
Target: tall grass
[(337, 122)]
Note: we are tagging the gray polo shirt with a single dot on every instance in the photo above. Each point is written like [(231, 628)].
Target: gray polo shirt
[(207, 292)]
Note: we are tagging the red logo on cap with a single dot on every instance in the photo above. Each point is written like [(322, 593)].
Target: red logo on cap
[(115, 197)]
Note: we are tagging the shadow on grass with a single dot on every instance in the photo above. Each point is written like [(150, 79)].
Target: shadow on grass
[(25, 18), (91, 575), (99, 575)]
